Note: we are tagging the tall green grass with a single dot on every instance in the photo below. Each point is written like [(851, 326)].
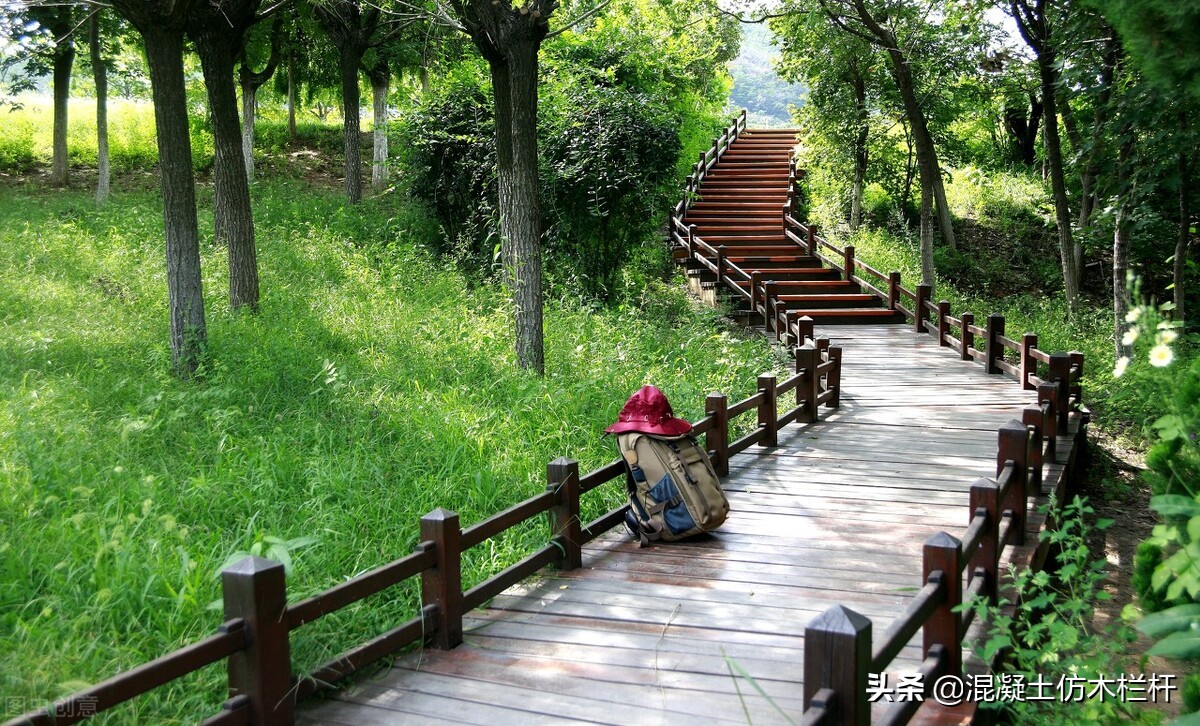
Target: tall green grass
[(372, 387)]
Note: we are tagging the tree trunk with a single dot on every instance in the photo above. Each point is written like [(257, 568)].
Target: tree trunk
[(249, 109), (349, 58), (291, 95), (1181, 242), (426, 86), (927, 161), (1058, 184), (380, 83), (100, 74), (1121, 235), (233, 219), (928, 273), (522, 188), (185, 297), (502, 95), (860, 152), (64, 59)]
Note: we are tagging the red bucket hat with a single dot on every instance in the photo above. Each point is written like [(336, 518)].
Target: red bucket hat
[(649, 412)]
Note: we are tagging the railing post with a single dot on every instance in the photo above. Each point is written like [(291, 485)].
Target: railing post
[(1014, 447), (1028, 362), (943, 323), (1060, 375), (791, 317), (562, 480), (995, 351), (768, 411), (717, 438), (720, 264), (923, 294), (968, 338), (1047, 393), (441, 586), (893, 290), (804, 329), (848, 262), (691, 242), (1031, 416), (837, 656), (942, 555), (755, 281), (1077, 385), (769, 294), (254, 590), (812, 239), (807, 359), (779, 315), (835, 377), (985, 500)]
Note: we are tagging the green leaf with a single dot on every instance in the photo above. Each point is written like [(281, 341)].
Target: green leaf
[(1171, 427), (1184, 644), (1156, 625), (1174, 505)]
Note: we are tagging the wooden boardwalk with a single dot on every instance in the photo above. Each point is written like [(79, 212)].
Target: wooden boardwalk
[(713, 629)]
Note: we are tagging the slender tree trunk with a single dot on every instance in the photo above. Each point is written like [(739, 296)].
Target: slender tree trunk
[(522, 187), (64, 59), (1058, 184), (1181, 242), (1121, 235), (860, 152), (380, 83), (927, 161), (185, 297), (928, 273), (426, 86), (502, 94), (233, 219), (910, 168), (291, 95), (249, 109), (350, 57), (100, 74)]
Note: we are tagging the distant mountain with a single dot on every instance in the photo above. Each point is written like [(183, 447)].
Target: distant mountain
[(756, 87)]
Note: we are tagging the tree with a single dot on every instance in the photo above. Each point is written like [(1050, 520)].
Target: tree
[(355, 27), (161, 24), (509, 39), (1036, 22), (897, 29), (60, 21), (219, 30), (841, 73), (100, 75), (251, 81)]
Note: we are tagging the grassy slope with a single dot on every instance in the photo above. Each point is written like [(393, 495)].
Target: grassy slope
[(371, 389)]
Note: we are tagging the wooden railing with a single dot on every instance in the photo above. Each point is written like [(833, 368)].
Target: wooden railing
[(256, 636), (708, 160), (839, 653), (988, 345)]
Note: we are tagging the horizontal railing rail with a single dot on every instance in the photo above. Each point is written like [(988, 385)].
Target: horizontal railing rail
[(256, 638)]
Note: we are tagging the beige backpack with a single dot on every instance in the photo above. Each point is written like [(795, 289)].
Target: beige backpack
[(673, 490)]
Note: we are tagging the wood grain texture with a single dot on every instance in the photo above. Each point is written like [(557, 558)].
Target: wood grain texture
[(836, 514)]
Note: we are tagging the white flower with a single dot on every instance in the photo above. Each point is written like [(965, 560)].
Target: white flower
[(1119, 368), (1161, 356), (1133, 315), (1130, 336), (1168, 336)]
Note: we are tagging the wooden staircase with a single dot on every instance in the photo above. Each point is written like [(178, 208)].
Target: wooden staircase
[(741, 195)]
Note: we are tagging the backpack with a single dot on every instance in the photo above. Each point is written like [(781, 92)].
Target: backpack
[(673, 489)]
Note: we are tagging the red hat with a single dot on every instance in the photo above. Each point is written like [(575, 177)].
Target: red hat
[(649, 412)]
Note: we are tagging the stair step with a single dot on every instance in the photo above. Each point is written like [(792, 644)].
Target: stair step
[(755, 250), (731, 211), (728, 206), (837, 301), (843, 316)]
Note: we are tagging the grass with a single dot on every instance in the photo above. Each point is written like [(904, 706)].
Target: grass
[(372, 387)]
